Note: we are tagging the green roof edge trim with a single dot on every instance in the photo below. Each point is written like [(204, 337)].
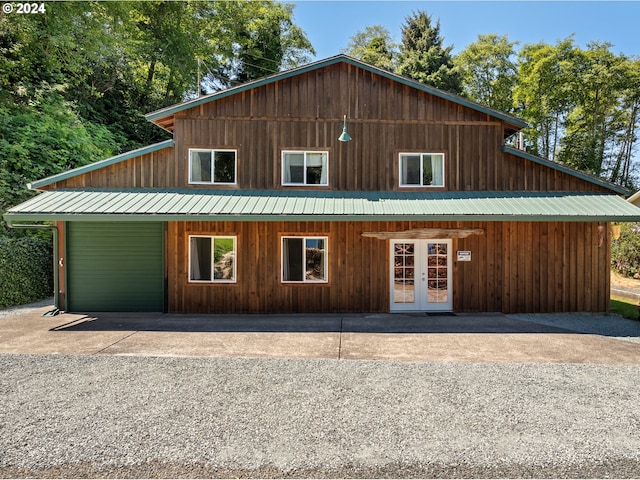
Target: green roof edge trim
[(12, 218), (332, 61), (100, 164), (564, 169)]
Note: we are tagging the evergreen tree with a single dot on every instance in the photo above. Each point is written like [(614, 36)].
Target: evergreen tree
[(423, 56)]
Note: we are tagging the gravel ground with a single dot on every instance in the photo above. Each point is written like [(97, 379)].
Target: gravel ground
[(111, 416), (7, 312), (146, 417)]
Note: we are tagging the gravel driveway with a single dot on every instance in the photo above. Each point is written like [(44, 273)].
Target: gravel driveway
[(114, 416)]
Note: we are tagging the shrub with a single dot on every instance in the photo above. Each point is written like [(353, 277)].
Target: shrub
[(26, 271), (625, 252)]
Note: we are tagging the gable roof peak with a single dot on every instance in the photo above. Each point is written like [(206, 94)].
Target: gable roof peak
[(164, 117)]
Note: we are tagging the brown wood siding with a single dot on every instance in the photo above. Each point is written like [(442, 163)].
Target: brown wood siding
[(153, 170), (368, 165), (305, 112), (515, 267)]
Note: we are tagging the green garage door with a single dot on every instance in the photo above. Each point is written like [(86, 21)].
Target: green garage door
[(115, 267)]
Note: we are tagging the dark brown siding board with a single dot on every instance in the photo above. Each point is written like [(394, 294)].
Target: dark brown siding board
[(587, 266), (541, 258), (578, 246)]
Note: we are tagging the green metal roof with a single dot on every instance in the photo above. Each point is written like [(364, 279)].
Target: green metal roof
[(268, 205), (100, 164), (168, 111), (564, 169)]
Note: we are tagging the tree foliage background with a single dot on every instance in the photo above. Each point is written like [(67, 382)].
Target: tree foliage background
[(76, 81)]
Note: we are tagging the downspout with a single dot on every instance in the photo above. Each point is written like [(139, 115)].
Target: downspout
[(56, 272)]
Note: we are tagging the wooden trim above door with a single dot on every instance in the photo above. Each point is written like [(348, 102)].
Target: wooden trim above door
[(426, 233)]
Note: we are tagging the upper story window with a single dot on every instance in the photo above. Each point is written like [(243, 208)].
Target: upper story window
[(422, 170), (212, 166), (305, 168)]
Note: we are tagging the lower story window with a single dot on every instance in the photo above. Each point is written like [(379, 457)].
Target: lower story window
[(212, 259), (304, 259)]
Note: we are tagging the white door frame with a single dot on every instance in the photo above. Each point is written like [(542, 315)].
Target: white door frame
[(413, 269)]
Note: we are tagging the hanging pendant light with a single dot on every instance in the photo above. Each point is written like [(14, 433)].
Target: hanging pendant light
[(344, 136)]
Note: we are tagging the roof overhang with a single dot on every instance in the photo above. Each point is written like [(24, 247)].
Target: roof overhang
[(278, 205)]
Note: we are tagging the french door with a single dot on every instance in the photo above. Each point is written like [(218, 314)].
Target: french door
[(420, 276)]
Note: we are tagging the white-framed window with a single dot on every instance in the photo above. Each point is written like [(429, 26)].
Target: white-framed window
[(305, 168), (212, 166), (304, 259), (212, 259), (421, 169)]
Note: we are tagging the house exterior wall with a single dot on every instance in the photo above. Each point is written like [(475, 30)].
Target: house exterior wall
[(515, 267)]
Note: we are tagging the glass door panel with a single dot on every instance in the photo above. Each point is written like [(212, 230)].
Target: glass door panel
[(404, 289), (437, 273), (420, 275)]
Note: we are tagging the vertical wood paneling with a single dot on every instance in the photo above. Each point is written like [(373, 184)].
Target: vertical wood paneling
[(506, 273), (382, 121)]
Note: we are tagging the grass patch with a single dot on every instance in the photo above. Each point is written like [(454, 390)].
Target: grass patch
[(626, 308)]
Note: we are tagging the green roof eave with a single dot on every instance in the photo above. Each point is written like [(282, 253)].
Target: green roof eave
[(12, 219), (282, 205), (100, 164), (565, 169), (168, 111)]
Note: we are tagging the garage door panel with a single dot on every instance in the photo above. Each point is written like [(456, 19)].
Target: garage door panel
[(115, 266)]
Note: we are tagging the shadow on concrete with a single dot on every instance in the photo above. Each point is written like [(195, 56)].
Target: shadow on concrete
[(588, 323), (320, 323)]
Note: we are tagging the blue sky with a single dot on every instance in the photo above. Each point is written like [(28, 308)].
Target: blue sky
[(330, 24)]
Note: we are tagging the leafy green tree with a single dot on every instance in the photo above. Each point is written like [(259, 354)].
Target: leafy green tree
[(167, 52), (375, 46), (627, 136), (489, 71), (43, 139), (76, 82), (543, 94), (591, 125), (423, 56), (625, 252), (268, 41), (43, 62)]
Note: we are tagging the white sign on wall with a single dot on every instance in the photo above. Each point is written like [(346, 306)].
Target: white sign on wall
[(464, 256)]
